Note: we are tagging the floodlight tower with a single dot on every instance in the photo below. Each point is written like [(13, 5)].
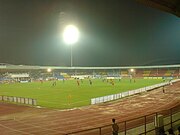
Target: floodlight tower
[(71, 36)]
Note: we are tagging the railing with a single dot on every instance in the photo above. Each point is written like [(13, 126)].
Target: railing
[(144, 125)]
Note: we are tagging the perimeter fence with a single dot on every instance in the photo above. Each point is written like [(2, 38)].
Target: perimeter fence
[(144, 125), (20, 100)]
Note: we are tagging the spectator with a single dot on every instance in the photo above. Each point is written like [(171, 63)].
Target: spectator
[(115, 127), (179, 130), (163, 90), (171, 131), (162, 132)]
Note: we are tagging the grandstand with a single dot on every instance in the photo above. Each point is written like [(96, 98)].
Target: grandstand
[(66, 72), (124, 73), (139, 73)]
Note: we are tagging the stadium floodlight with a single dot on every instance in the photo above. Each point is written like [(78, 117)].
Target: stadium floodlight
[(49, 70), (71, 36)]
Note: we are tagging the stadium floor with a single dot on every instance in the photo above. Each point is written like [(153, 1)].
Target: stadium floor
[(23, 120)]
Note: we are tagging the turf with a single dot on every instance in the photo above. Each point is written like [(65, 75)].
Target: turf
[(68, 94)]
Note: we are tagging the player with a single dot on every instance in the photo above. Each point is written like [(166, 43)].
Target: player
[(77, 82), (54, 83), (112, 82), (90, 82), (130, 78), (41, 81), (134, 80)]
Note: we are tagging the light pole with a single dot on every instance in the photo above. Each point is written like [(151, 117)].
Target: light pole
[(71, 36)]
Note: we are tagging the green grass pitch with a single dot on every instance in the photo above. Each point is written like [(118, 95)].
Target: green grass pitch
[(68, 94)]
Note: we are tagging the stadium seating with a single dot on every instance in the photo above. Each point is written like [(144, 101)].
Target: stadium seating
[(161, 72), (146, 73), (124, 73), (169, 73), (154, 73), (176, 72)]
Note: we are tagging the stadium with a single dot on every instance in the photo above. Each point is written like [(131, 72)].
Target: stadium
[(36, 97), (123, 77)]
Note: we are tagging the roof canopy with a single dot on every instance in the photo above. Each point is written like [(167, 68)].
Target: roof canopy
[(171, 6)]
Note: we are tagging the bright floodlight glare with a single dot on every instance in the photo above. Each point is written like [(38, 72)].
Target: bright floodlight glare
[(48, 70), (132, 70), (71, 34)]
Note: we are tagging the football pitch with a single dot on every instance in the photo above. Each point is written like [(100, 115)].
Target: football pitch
[(67, 94)]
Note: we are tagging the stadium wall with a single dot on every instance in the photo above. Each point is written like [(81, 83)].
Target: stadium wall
[(20, 100)]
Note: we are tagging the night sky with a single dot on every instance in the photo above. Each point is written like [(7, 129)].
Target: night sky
[(112, 33)]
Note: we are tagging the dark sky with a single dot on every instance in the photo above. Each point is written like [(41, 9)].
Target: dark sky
[(113, 33)]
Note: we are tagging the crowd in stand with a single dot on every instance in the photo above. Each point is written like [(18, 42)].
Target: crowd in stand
[(115, 130), (169, 132)]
